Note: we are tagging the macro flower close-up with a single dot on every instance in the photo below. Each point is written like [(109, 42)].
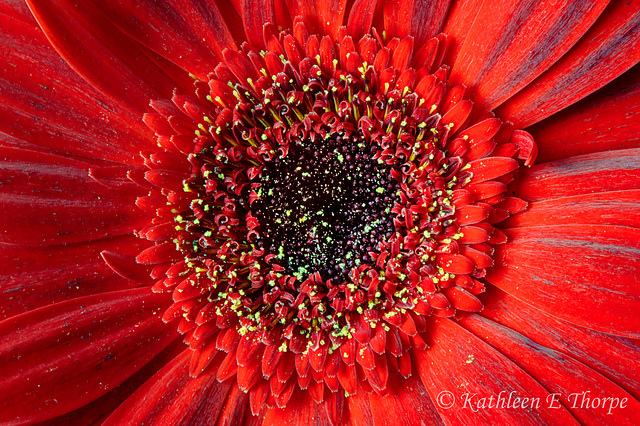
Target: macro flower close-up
[(320, 212)]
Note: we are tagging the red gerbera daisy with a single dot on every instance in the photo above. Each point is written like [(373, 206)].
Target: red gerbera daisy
[(320, 213)]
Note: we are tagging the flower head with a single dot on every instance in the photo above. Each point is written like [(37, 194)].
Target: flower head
[(333, 213)]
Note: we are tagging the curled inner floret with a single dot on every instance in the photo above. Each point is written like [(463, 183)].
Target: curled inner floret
[(334, 197)]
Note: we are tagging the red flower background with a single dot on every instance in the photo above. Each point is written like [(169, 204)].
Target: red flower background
[(83, 339)]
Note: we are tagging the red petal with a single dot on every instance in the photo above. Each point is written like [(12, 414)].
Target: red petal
[(361, 329), (72, 117), (457, 115), (605, 208), (283, 399), (406, 403), (361, 18), (527, 148), (512, 204), (229, 367), (258, 396), (270, 360), (160, 253), (127, 267), (37, 276), (455, 263), (459, 21), (235, 409), (286, 367), (482, 131), (480, 150), (248, 350), (110, 61), (459, 368), (402, 54), (604, 171), (490, 168), (240, 66), (68, 206), (348, 352), (158, 124), (365, 356), (165, 179), (608, 120), (17, 10), (53, 358), (256, 14), (606, 51), (468, 215), (97, 411), (322, 16), (580, 273), (189, 35), (421, 19), (318, 356), (348, 378), (567, 379), (473, 235), (480, 259), (462, 299), (117, 177), (496, 60), (248, 375), (378, 376), (172, 396), (461, 199), (360, 409), (201, 358), (334, 405), (301, 410), (484, 190), (612, 356)]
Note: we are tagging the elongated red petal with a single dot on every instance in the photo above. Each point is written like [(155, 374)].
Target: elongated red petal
[(257, 14), (53, 357), (606, 51), (322, 16), (68, 207), (566, 378), (594, 290), (604, 208), (406, 403), (422, 19), (607, 120), (613, 356), (598, 172), (171, 395), (361, 17), (459, 21), (97, 50), (490, 168), (495, 60), (455, 263), (37, 276), (191, 34), (98, 410), (47, 107), (17, 10), (301, 410), (460, 369)]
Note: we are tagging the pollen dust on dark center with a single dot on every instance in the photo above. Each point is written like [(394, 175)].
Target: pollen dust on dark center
[(325, 206)]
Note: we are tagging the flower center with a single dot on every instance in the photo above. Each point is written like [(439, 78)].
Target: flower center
[(325, 206), (334, 199)]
